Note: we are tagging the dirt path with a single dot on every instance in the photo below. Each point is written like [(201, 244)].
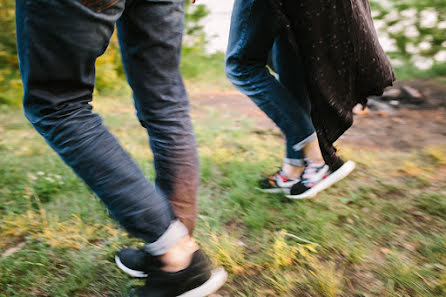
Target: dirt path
[(406, 128)]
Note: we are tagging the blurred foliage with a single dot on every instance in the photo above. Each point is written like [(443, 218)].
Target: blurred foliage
[(10, 85), (194, 35), (110, 76), (416, 31)]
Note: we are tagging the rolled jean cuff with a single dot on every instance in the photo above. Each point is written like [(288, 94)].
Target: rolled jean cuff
[(173, 234), (303, 143), (294, 162)]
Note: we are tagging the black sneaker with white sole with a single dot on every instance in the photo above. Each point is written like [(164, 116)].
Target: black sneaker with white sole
[(318, 177), (197, 280), (135, 262), (277, 183)]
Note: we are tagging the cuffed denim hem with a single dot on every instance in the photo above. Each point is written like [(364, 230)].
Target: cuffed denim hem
[(173, 234), (303, 143), (294, 162)]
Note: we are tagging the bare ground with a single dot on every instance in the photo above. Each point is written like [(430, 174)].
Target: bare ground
[(406, 128)]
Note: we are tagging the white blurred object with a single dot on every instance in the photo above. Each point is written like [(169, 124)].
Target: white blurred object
[(216, 24), (440, 56), (428, 18)]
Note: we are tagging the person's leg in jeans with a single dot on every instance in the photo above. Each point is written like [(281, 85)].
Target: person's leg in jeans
[(289, 68), (58, 43), (152, 57), (290, 73), (253, 33)]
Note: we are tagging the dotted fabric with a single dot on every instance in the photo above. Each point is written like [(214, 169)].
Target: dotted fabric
[(343, 60)]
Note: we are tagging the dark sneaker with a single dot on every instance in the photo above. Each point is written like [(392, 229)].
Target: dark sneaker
[(277, 183), (318, 177), (134, 262), (197, 280)]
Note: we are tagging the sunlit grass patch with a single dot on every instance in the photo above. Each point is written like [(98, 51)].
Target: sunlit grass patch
[(50, 230), (226, 250), (436, 154), (379, 232)]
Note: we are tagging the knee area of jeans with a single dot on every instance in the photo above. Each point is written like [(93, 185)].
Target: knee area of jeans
[(58, 111), (236, 74), (172, 148), (242, 75), (33, 113), (29, 111), (238, 78), (229, 69), (181, 132), (172, 109), (234, 69)]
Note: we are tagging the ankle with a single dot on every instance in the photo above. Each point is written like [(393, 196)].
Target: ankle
[(313, 152), (292, 171), (179, 256), (317, 160)]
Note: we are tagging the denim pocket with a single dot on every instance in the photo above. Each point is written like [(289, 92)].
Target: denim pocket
[(98, 5)]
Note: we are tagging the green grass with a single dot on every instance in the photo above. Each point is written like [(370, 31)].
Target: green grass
[(381, 232), (409, 71), (204, 72)]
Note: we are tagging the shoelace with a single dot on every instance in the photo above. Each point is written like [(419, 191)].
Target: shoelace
[(310, 170), (282, 175)]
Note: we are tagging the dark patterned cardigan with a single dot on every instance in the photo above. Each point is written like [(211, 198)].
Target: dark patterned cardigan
[(343, 61)]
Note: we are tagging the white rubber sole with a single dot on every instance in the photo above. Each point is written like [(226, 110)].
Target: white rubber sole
[(134, 273), (333, 178), (274, 191), (215, 282)]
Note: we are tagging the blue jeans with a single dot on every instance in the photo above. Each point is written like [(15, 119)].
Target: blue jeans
[(58, 43), (254, 34)]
